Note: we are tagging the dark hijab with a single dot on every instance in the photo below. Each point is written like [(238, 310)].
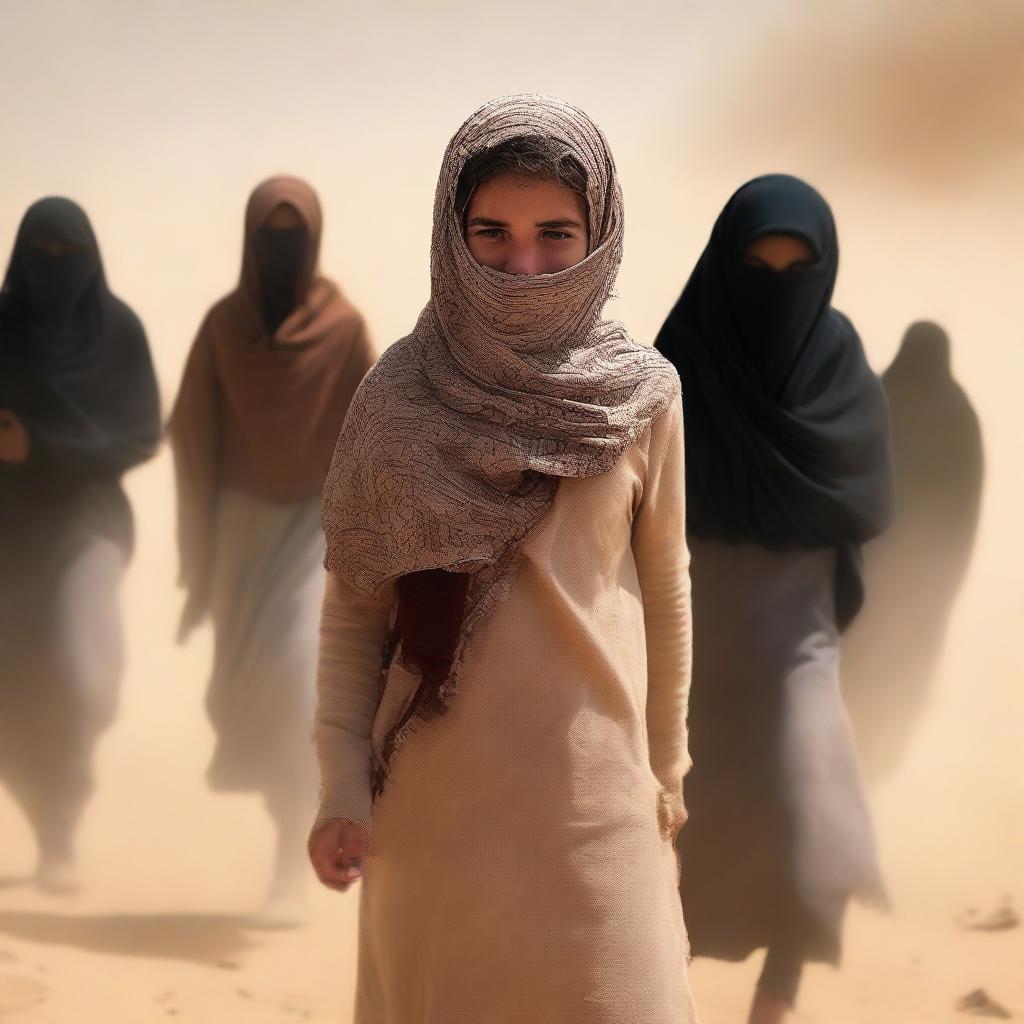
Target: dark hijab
[(787, 430), (74, 363)]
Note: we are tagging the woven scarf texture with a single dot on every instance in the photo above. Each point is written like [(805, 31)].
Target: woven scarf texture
[(454, 444)]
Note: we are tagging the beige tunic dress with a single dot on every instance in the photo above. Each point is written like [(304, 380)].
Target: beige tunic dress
[(522, 863)]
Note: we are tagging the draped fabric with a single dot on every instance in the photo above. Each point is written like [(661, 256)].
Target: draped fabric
[(75, 372), (75, 369), (455, 443), (263, 397), (787, 426), (560, 762), (779, 836), (268, 580)]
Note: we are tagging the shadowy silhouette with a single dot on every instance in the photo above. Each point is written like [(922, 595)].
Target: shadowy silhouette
[(207, 939), (913, 572)]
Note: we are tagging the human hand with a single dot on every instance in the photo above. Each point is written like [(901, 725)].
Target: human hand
[(13, 438), (336, 853), (672, 813)]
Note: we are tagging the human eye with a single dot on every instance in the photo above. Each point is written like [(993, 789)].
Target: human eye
[(489, 232), (557, 236)]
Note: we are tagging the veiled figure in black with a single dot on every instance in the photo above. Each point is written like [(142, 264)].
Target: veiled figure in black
[(788, 473), (78, 407), (915, 570)]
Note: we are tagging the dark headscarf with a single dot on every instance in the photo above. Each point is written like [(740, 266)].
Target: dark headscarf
[(75, 367), (787, 430)]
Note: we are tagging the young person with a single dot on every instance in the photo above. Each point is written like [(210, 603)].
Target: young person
[(78, 408), (265, 390), (788, 472), (505, 643)]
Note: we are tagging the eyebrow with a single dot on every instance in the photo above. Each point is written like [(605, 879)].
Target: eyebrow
[(488, 222), (562, 222)]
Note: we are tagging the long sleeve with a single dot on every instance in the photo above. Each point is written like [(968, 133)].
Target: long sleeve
[(353, 632), (662, 561), (195, 433), (363, 354), (104, 429)]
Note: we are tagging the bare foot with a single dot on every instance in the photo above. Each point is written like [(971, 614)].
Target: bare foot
[(768, 1009), (280, 912), (58, 876)]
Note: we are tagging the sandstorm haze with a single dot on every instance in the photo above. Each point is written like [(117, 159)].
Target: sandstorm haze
[(159, 118)]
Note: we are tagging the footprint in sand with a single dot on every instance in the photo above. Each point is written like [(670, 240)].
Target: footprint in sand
[(295, 1007), (19, 993), (981, 1004), (1000, 918), (168, 1002)]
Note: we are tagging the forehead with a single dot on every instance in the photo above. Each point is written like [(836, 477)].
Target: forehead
[(283, 215), (780, 206), (512, 191), (601, 186), (292, 192), (780, 242)]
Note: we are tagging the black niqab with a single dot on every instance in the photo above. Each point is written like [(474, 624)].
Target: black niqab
[(75, 367), (787, 429), (282, 255)]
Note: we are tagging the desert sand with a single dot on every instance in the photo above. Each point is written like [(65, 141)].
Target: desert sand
[(160, 118)]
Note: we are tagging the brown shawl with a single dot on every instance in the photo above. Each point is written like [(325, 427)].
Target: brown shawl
[(454, 444), (261, 413)]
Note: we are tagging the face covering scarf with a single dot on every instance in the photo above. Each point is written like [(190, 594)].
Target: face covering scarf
[(55, 284), (57, 281), (787, 427), (261, 403), (281, 254), (74, 362), (454, 444)]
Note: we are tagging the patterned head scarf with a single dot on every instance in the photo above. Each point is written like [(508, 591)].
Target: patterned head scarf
[(454, 444)]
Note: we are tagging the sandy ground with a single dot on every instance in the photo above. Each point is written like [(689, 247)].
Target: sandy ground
[(63, 966), (172, 871), (160, 118)]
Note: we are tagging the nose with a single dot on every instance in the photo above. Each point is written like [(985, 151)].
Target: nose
[(523, 259)]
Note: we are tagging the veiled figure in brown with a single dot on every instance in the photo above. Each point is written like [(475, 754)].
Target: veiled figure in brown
[(267, 384), (505, 656)]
